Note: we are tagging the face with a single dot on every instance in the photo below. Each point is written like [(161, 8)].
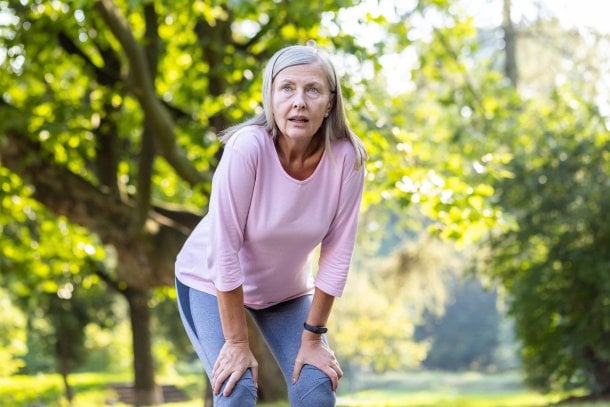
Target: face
[(300, 99)]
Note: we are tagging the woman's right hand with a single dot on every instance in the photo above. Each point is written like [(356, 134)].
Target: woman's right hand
[(233, 360)]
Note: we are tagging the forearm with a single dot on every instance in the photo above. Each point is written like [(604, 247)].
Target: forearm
[(314, 350), (319, 312), (232, 315)]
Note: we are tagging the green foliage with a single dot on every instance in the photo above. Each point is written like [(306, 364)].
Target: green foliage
[(542, 166), (459, 155), (67, 84), (48, 389), (554, 262), (171, 337), (376, 333), (48, 264), (108, 349), (434, 149), (12, 336)]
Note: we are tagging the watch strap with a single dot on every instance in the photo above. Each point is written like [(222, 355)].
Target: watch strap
[(315, 329)]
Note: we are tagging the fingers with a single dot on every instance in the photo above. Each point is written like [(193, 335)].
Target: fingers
[(337, 368), (232, 362), (233, 379), (254, 370), (218, 378), (333, 376), (298, 365), (335, 373), (320, 356), (332, 370)]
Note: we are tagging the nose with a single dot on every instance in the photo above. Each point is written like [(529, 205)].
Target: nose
[(299, 100)]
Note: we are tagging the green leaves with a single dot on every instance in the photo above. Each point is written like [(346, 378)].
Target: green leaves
[(555, 262)]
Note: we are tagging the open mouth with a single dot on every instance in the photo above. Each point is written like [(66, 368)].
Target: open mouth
[(298, 119)]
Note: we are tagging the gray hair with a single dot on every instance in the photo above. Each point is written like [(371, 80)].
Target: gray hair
[(334, 127)]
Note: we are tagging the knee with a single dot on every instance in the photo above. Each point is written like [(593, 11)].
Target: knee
[(244, 394), (313, 388)]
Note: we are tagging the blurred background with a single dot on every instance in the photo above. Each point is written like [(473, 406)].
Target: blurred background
[(481, 275)]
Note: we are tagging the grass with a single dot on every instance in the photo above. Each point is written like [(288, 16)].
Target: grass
[(48, 390), (427, 389), (419, 389)]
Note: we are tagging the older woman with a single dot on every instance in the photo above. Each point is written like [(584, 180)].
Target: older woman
[(290, 179)]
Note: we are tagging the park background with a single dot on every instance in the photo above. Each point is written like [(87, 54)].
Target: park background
[(482, 270)]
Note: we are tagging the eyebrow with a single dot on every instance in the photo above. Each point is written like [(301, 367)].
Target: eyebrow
[(289, 81)]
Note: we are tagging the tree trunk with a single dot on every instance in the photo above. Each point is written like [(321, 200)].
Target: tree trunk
[(271, 386), (510, 44), (208, 396), (146, 392), (599, 369), (63, 345), (64, 370)]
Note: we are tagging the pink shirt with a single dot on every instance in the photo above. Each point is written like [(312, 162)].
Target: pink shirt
[(263, 225)]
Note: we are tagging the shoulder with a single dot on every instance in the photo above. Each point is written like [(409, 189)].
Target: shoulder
[(250, 143), (343, 152), (248, 137)]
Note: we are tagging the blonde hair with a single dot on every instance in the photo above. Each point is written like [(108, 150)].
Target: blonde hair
[(334, 127)]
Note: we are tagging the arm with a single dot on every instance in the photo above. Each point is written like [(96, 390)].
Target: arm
[(319, 312), (235, 357), (314, 350), (229, 204), (338, 244), (335, 257), (232, 315)]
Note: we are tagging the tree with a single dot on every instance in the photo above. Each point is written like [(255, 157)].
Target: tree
[(490, 140), (554, 262)]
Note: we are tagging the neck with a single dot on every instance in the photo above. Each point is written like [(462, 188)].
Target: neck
[(299, 160), (291, 150)]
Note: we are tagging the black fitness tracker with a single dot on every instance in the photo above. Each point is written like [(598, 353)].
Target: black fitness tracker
[(315, 329)]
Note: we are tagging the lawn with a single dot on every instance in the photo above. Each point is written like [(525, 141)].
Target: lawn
[(419, 389)]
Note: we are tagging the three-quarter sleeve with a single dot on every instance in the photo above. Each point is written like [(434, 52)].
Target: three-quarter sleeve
[(230, 201), (338, 244)]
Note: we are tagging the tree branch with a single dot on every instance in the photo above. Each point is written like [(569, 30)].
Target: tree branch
[(155, 114), (70, 195), (146, 159), (64, 192), (109, 74), (110, 282), (103, 75)]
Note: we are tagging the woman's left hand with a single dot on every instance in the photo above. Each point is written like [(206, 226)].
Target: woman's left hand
[(315, 352)]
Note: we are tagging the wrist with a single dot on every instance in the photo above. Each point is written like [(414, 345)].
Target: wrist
[(315, 329), (310, 337), (237, 341)]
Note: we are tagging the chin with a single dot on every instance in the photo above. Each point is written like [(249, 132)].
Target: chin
[(296, 134)]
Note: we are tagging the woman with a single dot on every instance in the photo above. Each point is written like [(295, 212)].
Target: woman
[(290, 179)]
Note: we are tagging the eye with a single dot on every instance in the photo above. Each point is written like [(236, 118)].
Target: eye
[(313, 90), (286, 88)]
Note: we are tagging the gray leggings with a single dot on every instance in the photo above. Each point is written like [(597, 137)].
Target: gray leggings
[(281, 326)]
